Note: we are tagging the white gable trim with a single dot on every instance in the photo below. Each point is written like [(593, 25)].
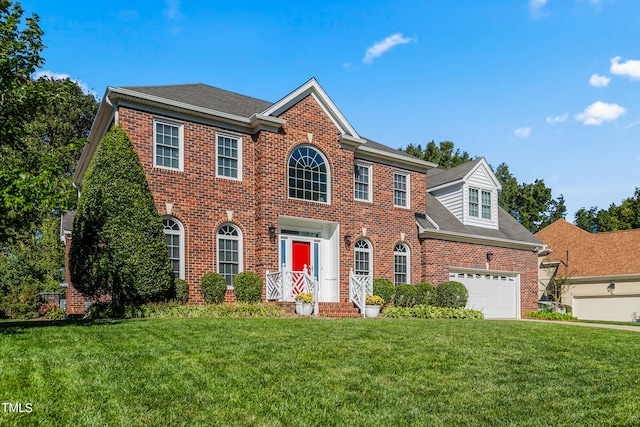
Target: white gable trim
[(313, 88), (481, 163)]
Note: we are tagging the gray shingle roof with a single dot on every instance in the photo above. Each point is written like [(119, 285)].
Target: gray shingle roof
[(205, 96), (386, 149), (437, 177), (510, 229)]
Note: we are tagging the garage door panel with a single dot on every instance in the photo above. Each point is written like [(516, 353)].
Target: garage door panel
[(614, 308), (495, 296)]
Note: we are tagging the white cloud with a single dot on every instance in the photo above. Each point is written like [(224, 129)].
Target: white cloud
[(522, 132), (600, 112), (536, 6), (557, 119), (62, 76), (631, 68), (599, 81), (381, 47), (632, 124)]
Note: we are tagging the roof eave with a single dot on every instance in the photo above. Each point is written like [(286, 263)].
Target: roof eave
[(415, 163), (483, 240)]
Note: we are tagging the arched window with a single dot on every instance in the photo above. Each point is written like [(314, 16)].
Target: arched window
[(174, 233), (308, 175), (363, 258), (401, 264), (229, 244)]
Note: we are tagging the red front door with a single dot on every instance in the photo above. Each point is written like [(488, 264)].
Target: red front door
[(300, 255)]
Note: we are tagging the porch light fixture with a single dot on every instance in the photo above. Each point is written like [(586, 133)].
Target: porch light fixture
[(272, 232), (611, 287), (489, 256), (347, 239)]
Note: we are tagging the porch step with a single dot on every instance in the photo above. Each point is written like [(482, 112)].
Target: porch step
[(338, 309)]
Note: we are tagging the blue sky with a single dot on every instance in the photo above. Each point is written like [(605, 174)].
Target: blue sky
[(550, 87)]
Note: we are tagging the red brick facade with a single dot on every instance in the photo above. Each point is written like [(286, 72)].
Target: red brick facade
[(202, 202), (439, 256)]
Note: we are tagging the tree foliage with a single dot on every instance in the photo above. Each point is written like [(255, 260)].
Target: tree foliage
[(118, 245), (531, 204), (35, 177), (444, 154), (28, 266), (20, 49), (625, 216)]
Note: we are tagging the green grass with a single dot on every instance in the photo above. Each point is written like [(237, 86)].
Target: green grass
[(609, 322), (289, 371)]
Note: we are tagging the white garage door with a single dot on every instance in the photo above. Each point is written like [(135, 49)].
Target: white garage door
[(613, 307), (496, 296)]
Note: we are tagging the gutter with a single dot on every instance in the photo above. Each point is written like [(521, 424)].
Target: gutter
[(484, 240)]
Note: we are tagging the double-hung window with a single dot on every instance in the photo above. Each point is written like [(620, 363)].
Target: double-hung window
[(362, 182), (401, 189), (174, 235), (168, 144), (479, 203), (229, 156), (401, 264), (229, 252), (363, 255), (486, 205), (473, 202)]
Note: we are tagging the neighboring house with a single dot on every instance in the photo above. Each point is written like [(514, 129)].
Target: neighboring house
[(603, 268), (291, 191)]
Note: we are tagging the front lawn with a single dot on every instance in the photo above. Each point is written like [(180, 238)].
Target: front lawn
[(290, 371)]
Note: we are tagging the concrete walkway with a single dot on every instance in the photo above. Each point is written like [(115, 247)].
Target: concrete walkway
[(592, 325)]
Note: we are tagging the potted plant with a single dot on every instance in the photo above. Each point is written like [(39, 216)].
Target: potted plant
[(304, 303), (373, 305)]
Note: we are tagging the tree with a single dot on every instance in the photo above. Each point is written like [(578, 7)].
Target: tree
[(623, 217), (443, 155), (20, 48), (35, 178), (29, 266), (118, 246), (532, 205)]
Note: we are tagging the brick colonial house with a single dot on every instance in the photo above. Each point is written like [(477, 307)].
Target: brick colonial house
[(291, 191)]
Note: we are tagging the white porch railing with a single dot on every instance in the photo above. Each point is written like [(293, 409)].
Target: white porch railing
[(284, 285), (359, 287)]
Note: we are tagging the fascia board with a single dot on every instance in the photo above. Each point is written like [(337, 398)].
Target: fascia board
[(482, 240), (393, 159), (312, 87), (100, 125), (445, 185), (605, 278), (134, 97)]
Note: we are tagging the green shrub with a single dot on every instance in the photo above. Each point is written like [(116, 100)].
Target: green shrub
[(384, 289), (213, 287), (405, 295), (425, 293), (118, 246), (452, 295), (51, 311), (431, 312), (549, 316), (247, 286), (180, 311), (20, 302), (182, 290), (105, 310)]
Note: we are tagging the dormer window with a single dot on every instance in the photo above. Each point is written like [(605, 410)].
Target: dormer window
[(479, 203)]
